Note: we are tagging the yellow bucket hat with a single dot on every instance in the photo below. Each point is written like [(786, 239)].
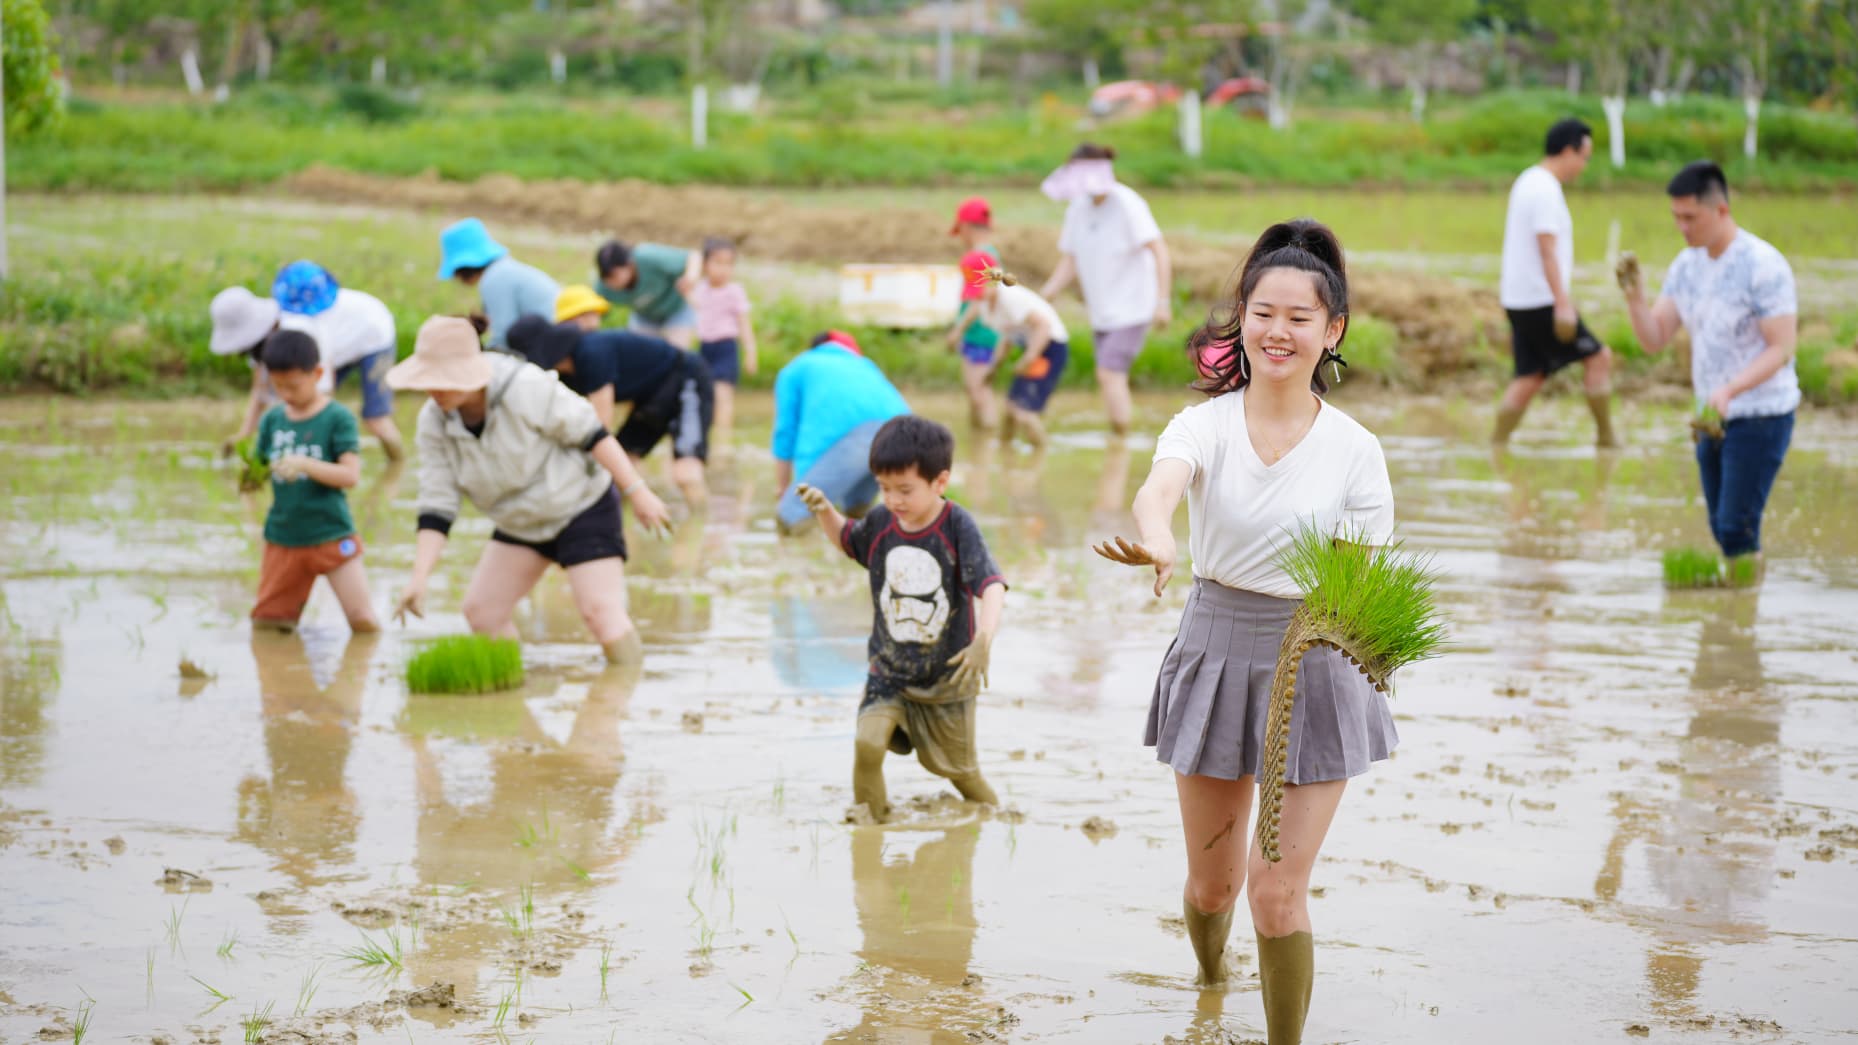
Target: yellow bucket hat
[(578, 300)]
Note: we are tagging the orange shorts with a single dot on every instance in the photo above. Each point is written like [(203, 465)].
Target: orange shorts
[(286, 576)]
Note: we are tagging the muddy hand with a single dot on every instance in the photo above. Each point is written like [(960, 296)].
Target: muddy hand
[(1567, 324), (970, 664), (290, 467), (412, 600), (651, 511), (1130, 554), (815, 499), (1627, 274)]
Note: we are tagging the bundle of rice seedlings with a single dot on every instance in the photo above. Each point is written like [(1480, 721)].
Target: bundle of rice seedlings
[(254, 471), (1692, 568), (1707, 423), (1375, 605), (465, 664)]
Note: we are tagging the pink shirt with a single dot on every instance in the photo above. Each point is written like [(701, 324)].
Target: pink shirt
[(721, 311)]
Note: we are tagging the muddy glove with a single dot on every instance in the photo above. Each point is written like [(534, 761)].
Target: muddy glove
[(1627, 274), (970, 674), (815, 499)]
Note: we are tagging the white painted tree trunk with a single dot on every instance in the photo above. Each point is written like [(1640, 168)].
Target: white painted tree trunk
[(1093, 79), (1419, 100), (557, 65), (1615, 107), (1751, 108), (1192, 141), (1574, 76), (945, 44), (263, 68), (190, 71), (742, 97), (1658, 98), (700, 116), (377, 73), (1612, 245), (1277, 114)]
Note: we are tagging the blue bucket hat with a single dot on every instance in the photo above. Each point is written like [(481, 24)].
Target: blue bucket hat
[(466, 245), (305, 287)]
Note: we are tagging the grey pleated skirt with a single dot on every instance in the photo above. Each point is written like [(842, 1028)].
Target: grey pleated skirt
[(1208, 712)]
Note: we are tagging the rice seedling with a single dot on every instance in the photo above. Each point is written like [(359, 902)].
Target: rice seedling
[(1742, 570), (606, 965), (1692, 568), (789, 926), (746, 997), (151, 977), (503, 1009), (224, 950), (1707, 423), (254, 471), (306, 990), (1374, 604), (255, 1024), (903, 903), (465, 664), (212, 990), (378, 955), (80, 1023), (175, 915), (575, 869)]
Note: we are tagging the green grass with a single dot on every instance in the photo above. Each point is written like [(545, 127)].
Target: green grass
[(465, 664), (80, 1024), (850, 135), (1692, 568), (1378, 600), (256, 1024), (383, 954)]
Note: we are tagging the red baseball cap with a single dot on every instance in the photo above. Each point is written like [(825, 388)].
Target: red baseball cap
[(973, 211), (841, 339), (973, 283)]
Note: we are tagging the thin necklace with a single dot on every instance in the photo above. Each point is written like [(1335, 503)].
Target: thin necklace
[(1277, 454)]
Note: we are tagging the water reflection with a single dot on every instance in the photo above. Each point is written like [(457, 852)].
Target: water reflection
[(304, 815), (1709, 848)]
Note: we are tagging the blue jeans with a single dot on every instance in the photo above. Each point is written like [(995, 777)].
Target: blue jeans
[(842, 473), (377, 400), (1737, 471)]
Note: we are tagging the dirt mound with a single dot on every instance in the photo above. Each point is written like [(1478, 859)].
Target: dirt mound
[(1440, 323)]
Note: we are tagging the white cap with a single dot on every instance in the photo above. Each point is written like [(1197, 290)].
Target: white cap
[(241, 319)]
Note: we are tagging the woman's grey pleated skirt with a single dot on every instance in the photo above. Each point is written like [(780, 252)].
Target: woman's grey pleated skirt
[(1208, 713)]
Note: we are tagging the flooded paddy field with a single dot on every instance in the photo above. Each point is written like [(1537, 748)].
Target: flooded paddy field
[(1616, 813)]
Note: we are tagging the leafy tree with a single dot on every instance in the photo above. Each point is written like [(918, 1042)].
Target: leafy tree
[(1417, 28), (28, 50)]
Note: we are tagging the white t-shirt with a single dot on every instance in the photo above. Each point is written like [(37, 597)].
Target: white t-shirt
[(1722, 302), (1115, 269), (1536, 206), (1013, 307), (356, 325), (1240, 513)]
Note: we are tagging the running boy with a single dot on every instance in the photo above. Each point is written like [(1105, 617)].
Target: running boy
[(1022, 316), (978, 343), (930, 643), (724, 337), (313, 447)]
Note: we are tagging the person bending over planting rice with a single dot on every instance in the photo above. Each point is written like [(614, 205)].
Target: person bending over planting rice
[(355, 332), (654, 281), (532, 456), (1264, 457), (311, 445), (1734, 292), (930, 641), (829, 403), (668, 391), (507, 288)]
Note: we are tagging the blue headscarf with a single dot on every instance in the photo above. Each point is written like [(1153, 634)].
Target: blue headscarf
[(305, 287)]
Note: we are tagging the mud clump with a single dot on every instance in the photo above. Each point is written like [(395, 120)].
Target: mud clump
[(1442, 325), (115, 845), (1098, 828), (431, 996), (693, 722), (175, 880)]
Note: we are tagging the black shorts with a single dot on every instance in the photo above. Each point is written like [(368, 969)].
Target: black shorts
[(1536, 348), (724, 358), (596, 533), (682, 407)]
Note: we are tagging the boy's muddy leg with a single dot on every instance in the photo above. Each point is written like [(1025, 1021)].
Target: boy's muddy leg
[(975, 789), (1214, 813), (1030, 425), (1286, 971), (384, 429), (868, 764)]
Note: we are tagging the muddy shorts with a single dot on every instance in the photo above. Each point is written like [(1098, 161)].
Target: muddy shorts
[(1536, 348), (682, 407), (286, 575), (1208, 712), (1030, 392), (595, 533), (941, 734), (1116, 349)]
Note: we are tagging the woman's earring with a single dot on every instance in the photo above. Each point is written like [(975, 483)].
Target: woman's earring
[(1245, 365)]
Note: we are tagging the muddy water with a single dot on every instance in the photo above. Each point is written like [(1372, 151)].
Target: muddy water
[(1615, 811)]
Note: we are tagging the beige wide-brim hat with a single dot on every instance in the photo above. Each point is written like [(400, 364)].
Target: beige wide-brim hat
[(446, 358)]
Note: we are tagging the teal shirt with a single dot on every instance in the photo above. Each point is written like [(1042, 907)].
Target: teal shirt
[(653, 296), (304, 512), (979, 333)]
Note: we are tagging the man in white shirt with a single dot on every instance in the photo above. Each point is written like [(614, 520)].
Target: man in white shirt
[(1735, 293), (1546, 333)]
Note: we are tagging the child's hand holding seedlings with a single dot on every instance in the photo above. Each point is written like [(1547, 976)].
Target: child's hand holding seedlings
[(290, 467)]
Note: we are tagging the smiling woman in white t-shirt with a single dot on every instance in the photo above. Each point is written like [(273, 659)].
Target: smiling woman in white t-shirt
[(1262, 457), (1111, 245)]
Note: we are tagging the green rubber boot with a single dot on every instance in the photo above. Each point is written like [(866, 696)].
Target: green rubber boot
[(1286, 969)]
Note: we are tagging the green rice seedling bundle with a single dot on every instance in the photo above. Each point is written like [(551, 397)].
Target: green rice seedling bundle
[(254, 471), (1373, 604), (1692, 568), (1707, 423), (465, 664)]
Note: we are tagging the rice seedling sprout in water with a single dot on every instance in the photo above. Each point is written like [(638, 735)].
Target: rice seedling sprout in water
[(80, 1024), (306, 991), (381, 955), (606, 965), (256, 1023), (465, 664), (210, 989), (1692, 568), (225, 947)]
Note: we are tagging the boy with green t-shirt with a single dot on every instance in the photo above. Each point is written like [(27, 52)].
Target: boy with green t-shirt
[(312, 445), (978, 343)]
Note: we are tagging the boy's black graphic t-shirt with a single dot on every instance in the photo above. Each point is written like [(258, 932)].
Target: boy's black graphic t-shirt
[(923, 587)]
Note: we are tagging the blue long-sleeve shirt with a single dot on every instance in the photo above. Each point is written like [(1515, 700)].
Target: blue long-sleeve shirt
[(511, 290), (823, 394)]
